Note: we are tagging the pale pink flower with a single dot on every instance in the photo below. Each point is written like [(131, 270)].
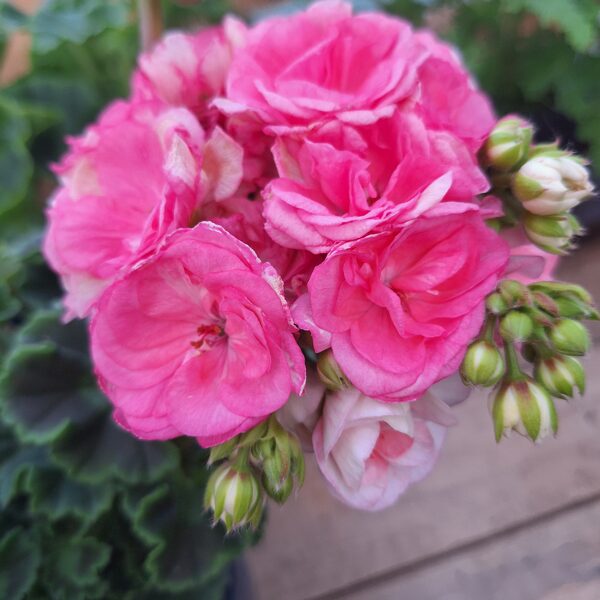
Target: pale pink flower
[(346, 182), (196, 340), (301, 413), (399, 308), (528, 263), (189, 69), (321, 63), (370, 452), (126, 182)]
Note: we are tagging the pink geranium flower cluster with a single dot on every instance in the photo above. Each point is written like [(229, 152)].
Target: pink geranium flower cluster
[(315, 173)]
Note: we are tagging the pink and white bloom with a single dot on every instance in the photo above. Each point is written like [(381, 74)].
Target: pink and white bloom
[(323, 63), (196, 340), (399, 308), (346, 182), (128, 181), (189, 69), (370, 452), (528, 262)]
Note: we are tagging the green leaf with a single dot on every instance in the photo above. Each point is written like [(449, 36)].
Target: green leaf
[(44, 390), (72, 571), (74, 21), (16, 167), (187, 551), (99, 450), (55, 495), (16, 462), (574, 17), (19, 562)]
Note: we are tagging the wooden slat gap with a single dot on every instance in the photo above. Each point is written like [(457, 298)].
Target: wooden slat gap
[(474, 544)]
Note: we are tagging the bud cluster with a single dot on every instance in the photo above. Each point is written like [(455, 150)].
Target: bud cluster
[(542, 322), (267, 460), (539, 184)]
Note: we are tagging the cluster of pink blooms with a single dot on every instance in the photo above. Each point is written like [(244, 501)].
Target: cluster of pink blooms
[(308, 182)]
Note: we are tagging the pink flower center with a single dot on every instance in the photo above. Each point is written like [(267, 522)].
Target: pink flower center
[(208, 336)]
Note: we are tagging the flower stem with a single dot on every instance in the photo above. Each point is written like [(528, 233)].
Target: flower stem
[(151, 23), (512, 363)]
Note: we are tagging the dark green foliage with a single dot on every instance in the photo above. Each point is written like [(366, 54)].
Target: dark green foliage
[(537, 57), (86, 510)]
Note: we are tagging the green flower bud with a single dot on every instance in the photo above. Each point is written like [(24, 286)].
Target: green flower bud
[(234, 495), (483, 364), (570, 337), (546, 303), (549, 185), (330, 373), (514, 292), (572, 307), (557, 289), (561, 375), (526, 407), (281, 460), (516, 326), (496, 304), (508, 143), (552, 233)]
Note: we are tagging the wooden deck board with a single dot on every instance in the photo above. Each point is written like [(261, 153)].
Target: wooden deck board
[(314, 546), (556, 558)]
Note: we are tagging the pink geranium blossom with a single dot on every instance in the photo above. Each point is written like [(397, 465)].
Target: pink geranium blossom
[(323, 63), (188, 69), (370, 452), (244, 219), (528, 263), (449, 99), (399, 308), (196, 340), (345, 182), (127, 182)]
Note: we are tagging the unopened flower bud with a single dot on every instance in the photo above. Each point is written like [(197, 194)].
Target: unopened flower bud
[(561, 375), (330, 373), (552, 233), (526, 407), (496, 304), (569, 336), (516, 326), (573, 307), (549, 185), (234, 495), (508, 143), (281, 461), (514, 292), (483, 364)]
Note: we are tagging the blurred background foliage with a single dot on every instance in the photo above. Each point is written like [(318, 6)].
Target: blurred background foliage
[(86, 510)]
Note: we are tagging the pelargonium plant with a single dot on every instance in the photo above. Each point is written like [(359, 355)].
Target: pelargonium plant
[(295, 237)]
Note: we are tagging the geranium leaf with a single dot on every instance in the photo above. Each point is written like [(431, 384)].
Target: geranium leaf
[(55, 495), (44, 390), (73, 569), (187, 551), (19, 562), (74, 20), (16, 167), (99, 450)]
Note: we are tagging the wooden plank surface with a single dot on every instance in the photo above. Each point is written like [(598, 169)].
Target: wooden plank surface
[(315, 546), (530, 564)]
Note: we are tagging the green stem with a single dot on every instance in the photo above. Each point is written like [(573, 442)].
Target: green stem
[(489, 328), (512, 363)]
